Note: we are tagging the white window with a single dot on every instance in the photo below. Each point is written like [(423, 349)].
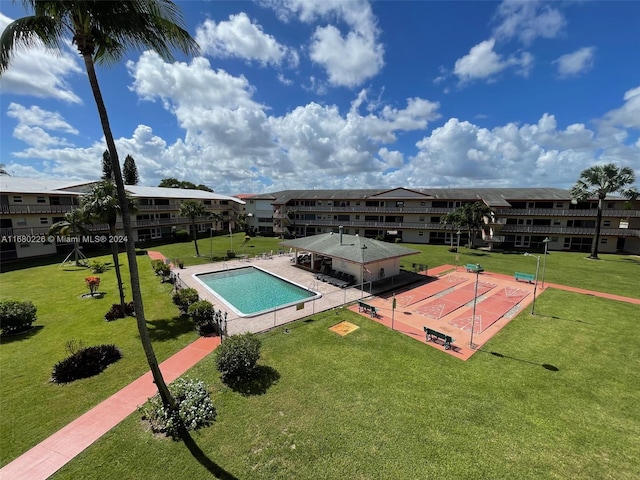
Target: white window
[(603, 241), (41, 200), (21, 222), (523, 241), (17, 199), (420, 234), (606, 223), (44, 221)]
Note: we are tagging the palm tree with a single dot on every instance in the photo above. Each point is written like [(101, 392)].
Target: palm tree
[(103, 32), (471, 217), (73, 225), (3, 171), (599, 181), (101, 204), (453, 220), (193, 209), (216, 217)]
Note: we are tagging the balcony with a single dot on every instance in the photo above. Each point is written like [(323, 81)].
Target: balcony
[(552, 212), (38, 208), (557, 230)]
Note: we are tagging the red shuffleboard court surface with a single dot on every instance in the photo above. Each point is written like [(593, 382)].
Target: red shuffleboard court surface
[(430, 289), (444, 305)]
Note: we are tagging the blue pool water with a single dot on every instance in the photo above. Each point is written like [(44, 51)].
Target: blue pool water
[(250, 291)]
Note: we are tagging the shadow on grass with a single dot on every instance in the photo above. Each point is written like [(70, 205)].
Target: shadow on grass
[(16, 337), (262, 379), (202, 458), (166, 329), (546, 366), (553, 317)]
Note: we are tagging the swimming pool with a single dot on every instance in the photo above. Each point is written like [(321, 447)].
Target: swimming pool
[(251, 291)]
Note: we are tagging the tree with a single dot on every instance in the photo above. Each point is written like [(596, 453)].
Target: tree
[(107, 171), (471, 218), (130, 171), (73, 225), (193, 209), (216, 217), (101, 204), (453, 220), (598, 182), (103, 32), (171, 182), (3, 171)]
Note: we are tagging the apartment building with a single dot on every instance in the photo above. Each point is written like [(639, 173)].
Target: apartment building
[(28, 208), (521, 218)]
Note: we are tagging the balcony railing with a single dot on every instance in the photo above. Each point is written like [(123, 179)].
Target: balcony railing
[(565, 212), (35, 209)]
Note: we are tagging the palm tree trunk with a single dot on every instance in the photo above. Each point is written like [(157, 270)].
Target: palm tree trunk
[(596, 237), (116, 263), (158, 379), (195, 236)]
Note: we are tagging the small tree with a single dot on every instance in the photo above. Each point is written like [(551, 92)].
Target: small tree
[(201, 312), (237, 356), (184, 297), (93, 283), (193, 209), (130, 171)]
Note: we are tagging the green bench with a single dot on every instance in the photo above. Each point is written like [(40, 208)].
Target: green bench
[(370, 309), (431, 335), (474, 267), (524, 277)]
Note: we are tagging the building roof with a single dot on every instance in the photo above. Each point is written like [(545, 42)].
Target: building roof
[(137, 191), (349, 247), (24, 185)]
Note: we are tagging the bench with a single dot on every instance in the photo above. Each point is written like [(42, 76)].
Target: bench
[(370, 309), (431, 335), (524, 277), (474, 267)]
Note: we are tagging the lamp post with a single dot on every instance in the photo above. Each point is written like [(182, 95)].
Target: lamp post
[(211, 243), (363, 248), (544, 263), (535, 285), (473, 316), (458, 248)]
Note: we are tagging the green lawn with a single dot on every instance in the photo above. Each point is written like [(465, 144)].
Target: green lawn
[(379, 405), (32, 407)]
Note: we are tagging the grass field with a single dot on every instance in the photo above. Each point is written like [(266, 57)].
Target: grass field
[(374, 404), (378, 405)]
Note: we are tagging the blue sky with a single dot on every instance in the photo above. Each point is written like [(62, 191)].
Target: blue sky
[(303, 94)]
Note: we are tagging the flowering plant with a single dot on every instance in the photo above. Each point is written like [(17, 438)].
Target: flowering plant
[(92, 284)]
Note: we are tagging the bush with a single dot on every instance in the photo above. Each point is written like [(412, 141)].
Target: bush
[(184, 297), (237, 356), (195, 408), (201, 313), (117, 311), (85, 363), (97, 267), (182, 236), (157, 265), (231, 254), (16, 316)]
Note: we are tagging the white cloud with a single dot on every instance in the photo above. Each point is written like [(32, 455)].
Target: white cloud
[(528, 20), (240, 37), (349, 59), (575, 63), (483, 63), (36, 116), (40, 72)]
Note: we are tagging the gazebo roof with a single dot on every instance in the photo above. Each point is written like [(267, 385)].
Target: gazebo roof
[(349, 247)]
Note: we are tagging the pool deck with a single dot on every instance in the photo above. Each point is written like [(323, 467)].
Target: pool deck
[(282, 266)]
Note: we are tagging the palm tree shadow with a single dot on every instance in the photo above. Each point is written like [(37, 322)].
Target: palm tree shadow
[(262, 379), (546, 366), (202, 458), (168, 328)]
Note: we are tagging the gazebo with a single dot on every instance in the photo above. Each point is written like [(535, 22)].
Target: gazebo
[(366, 259)]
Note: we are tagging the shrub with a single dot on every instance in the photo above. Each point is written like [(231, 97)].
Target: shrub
[(118, 311), (157, 265), (201, 313), (237, 356), (16, 316), (231, 254), (97, 267), (141, 251), (195, 408), (184, 297), (93, 283), (85, 362), (182, 236)]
